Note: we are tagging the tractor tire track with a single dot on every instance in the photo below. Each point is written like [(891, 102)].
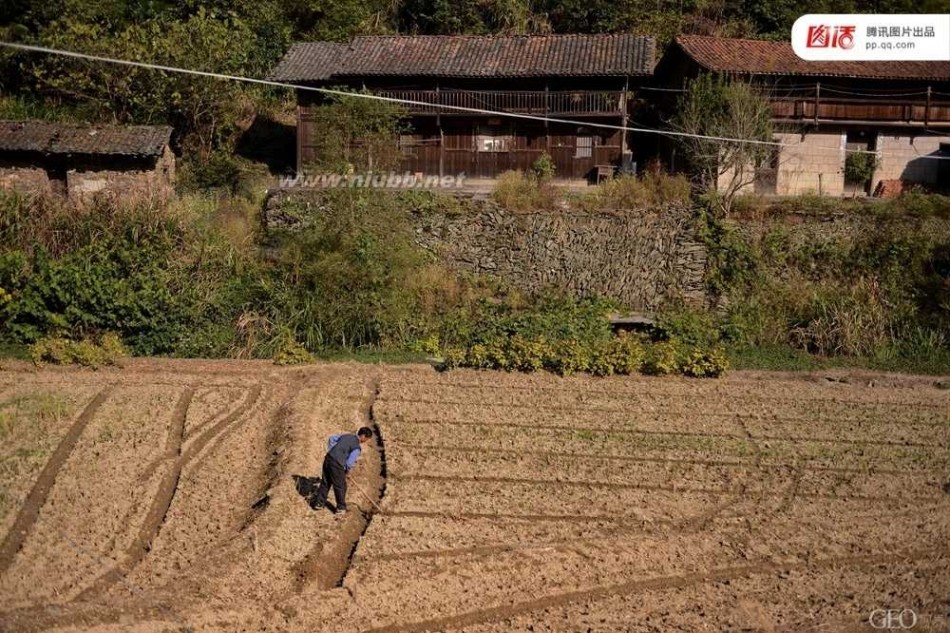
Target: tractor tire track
[(162, 501), (676, 581), (30, 510), (186, 437)]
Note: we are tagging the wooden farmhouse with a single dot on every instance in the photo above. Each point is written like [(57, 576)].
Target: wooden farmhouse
[(587, 79), (821, 109)]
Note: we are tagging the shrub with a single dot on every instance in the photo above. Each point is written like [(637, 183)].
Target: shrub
[(622, 354), (218, 170), (704, 363), (653, 189), (859, 167), (544, 168), (292, 353), (108, 350), (662, 358), (452, 357), (568, 357), (517, 191), (526, 355)]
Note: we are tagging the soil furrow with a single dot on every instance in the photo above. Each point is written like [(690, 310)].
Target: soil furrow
[(652, 487), (156, 464), (192, 449), (749, 465), (326, 565), (640, 585), (166, 492), (729, 389), (581, 406), (560, 518), (698, 434), (30, 510)]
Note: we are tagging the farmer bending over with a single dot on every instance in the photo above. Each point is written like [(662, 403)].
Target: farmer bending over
[(342, 452)]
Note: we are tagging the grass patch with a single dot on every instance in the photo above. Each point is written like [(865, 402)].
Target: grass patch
[(372, 356), (34, 409), (14, 351)]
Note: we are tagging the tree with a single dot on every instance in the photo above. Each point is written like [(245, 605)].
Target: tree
[(716, 107), (354, 133), (205, 112)]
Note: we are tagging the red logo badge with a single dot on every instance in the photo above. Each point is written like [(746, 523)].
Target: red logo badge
[(822, 36)]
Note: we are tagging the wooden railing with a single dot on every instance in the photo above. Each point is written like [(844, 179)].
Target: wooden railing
[(530, 102), (835, 108)]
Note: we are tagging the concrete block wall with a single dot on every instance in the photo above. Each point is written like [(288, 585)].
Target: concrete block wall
[(902, 156), (811, 163)]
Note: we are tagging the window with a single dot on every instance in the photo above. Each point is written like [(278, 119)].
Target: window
[(407, 144), (585, 147), (490, 139)]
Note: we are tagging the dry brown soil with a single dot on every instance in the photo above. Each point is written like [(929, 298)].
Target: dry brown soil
[(161, 496)]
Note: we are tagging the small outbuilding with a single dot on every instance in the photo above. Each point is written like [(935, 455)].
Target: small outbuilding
[(81, 162)]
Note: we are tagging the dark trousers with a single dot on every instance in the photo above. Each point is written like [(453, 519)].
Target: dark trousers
[(335, 475)]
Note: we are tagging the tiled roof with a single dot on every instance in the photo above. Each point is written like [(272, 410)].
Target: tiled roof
[(58, 138), (758, 57), (469, 56), (309, 61)]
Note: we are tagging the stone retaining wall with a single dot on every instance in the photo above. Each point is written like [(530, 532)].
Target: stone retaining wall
[(641, 258)]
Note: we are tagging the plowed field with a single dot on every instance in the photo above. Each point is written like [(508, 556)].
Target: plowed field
[(168, 495)]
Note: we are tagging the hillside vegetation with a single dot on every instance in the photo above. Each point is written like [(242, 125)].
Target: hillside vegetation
[(198, 278)]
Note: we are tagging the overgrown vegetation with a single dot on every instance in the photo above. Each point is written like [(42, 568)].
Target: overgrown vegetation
[(653, 189), (352, 134), (564, 336), (880, 293), (859, 167), (520, 191)]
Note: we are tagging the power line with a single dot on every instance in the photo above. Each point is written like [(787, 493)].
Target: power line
[(363, 95)]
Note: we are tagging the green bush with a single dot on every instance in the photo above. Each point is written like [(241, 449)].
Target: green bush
[(653, 189), (568, 357), (859, 167), (292, 353), (663, 358), (544, 167), (517, 191), (704, 363), (622, 355), (219, 170), (108, 350)]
